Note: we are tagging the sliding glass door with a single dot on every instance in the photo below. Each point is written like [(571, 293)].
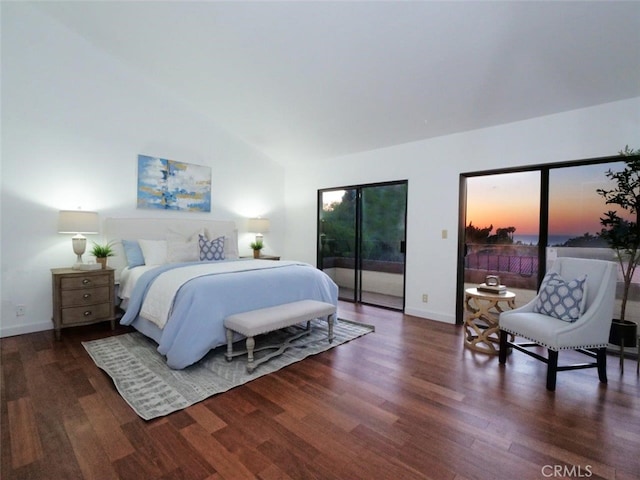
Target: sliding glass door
[(361, 241), (337, 238), (514, 223), (502, 231), (382, 240), (575, 210)]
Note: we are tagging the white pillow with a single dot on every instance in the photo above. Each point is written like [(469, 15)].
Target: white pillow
[(231, 246), (181, 248), (154, 251), (230, 242), (181, 251)]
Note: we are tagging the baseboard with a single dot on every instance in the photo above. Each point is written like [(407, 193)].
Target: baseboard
[(439, 317), (23, 329)]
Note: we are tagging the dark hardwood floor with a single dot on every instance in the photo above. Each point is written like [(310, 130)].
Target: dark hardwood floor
[(407, 402)]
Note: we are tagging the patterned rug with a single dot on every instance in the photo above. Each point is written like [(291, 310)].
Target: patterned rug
[(152, 389)]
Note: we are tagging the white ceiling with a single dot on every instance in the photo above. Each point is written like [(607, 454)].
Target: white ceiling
[(309, 80)]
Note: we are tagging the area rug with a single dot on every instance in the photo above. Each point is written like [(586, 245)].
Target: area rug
[(152, 389)]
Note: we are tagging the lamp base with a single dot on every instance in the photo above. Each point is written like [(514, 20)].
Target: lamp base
[(79, 246)]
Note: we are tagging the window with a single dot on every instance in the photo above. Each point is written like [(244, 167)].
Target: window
[(514, 222)]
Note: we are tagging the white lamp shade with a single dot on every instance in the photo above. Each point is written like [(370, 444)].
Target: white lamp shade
[(258, 225), (77, 221)]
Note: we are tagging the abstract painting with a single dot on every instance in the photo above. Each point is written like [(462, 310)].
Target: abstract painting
[(170, 185)]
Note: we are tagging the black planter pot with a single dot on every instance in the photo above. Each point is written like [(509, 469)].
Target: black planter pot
[(623, 333)]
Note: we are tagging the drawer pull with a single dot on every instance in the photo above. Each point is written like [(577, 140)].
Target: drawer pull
[(87, 313), (86, 281), (86, 295)]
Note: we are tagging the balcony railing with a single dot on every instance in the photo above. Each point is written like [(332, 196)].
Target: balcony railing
[(525, 266)]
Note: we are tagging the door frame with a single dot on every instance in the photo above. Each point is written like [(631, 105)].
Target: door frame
[(357, 298)]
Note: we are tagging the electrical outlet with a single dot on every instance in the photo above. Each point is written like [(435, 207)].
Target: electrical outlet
[(425, 298), (20, 310)]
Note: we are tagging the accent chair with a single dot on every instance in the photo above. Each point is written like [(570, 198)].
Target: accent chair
[(573, 310)]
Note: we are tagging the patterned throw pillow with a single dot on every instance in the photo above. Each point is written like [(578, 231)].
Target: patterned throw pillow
[(211, 249), (561, 299)]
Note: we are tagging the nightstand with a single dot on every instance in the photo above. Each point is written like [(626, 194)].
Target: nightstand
[(265, 257), (82, 297)]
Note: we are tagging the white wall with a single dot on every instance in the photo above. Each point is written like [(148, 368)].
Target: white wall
[(432, 168), (73, 122)]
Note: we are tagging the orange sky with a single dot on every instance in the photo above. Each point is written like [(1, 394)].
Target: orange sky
[(504, 201), (513, 200)]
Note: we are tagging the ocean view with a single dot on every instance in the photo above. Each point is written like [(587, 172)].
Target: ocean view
[(533, 239)]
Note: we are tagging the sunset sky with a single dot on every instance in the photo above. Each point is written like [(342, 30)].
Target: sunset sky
[(513, 200)]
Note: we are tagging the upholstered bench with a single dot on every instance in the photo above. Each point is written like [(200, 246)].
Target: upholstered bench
[(265, 320)]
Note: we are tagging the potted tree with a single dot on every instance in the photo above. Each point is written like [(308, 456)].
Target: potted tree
[(256, 247), (102, 252), (623, 236)]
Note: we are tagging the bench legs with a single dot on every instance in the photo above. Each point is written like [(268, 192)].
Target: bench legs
[(252, 363), (330, 321), (251, 344), (229, 354)]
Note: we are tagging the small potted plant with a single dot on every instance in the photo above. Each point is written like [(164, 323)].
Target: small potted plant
[(102, 252), (623, 236), (256, 247)]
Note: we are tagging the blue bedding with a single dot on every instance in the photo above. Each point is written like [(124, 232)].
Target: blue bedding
[(195, 324)]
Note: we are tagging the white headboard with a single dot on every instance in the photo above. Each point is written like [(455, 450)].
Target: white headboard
[(117, 229)]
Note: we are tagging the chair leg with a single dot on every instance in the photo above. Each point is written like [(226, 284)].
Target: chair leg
[(552, 370), (602, 364), (502, 354)]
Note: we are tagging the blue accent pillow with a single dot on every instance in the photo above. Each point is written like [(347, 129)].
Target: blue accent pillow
[(211, 250), (133, 252), (561, 299)]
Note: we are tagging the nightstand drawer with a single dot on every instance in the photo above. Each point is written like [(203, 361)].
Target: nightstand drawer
[(71, 298), (84, 314), (83, 281)]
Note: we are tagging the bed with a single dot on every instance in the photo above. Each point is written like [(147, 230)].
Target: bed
[(181, 302)]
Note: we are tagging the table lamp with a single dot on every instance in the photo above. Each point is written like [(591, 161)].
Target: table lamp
[(258, 226), (78, 222)]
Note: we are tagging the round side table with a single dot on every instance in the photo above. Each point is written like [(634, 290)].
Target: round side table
[(482, 310)]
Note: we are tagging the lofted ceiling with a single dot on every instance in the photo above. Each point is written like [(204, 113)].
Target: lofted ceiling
[(303, 81)]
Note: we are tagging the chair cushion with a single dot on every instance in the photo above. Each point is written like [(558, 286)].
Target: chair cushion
[(540, 328), (561, 299)]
